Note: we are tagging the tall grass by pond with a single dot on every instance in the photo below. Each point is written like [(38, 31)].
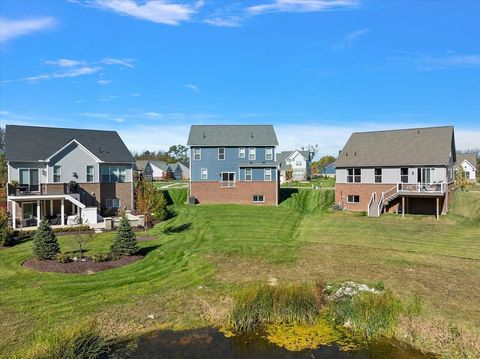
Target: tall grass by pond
[(284, 304)]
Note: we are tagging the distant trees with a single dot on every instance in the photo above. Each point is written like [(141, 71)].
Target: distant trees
[(313, 149), (176, 153), (317, 166), (460, 178), (6, 232), (149, 201)]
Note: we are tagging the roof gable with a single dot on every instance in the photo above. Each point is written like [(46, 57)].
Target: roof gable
[(30, 143), (232, 135), (471, 158), (430, 146)]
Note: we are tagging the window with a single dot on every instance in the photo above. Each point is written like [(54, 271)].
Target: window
[(114, 173), (354, 175), (197, 154), (90, 174), (248, 174), (227, 179), (204, 173), (268, 174), (57, 174), (353, 198), (404, 175), (298, 163), (29, 179), (241, 152), (252, 154), (378, 175), (467, 175), (298, 175), (258, 198), (221, 153), (268, 154), (113, 203)]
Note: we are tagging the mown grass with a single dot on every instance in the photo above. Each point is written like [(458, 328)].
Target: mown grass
[(215, 247), (263, 304)]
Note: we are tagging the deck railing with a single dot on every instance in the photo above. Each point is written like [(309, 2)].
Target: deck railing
[(421, 187)]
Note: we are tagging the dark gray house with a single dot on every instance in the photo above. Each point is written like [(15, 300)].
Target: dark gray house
[(61, 172), (233, 164)]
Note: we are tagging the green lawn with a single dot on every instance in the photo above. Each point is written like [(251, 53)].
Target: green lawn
[(327, 182), (206, 251), (170, 184)]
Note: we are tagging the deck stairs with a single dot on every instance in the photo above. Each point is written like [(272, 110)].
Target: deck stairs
[(377, 205)]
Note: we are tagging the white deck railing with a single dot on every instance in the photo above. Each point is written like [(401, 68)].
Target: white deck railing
[(421, 187)]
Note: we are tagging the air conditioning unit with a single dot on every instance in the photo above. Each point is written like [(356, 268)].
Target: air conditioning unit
[(192, 200)]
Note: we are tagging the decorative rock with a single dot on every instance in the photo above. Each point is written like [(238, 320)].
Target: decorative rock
[(151, 316), (273, 282)]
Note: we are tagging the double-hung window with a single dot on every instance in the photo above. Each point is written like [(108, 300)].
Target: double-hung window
[(90, 173), (404, 175), (227, 179), (248, 174), (252, 154), (114, 174), (268, 154), (221, 153), (57, 173), (241, 152), (204, 173), (298, 163), (353, 198), (354, 175), (197, 153), (258, 198), (113, 203), (268, 174), (378, 175)]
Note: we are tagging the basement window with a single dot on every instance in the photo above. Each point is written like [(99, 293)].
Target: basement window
[(353, 198), (258, 198)]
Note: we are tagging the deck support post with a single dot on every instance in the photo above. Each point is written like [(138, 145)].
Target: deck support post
[(51, 208), (62, 212), (14, 214), (438, 205), (403, 207), (39, 217)]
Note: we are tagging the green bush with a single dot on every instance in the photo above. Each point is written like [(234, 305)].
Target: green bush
[(64, 258), (6, 232), (45, 245), (102, 257), (370, 315), (125, 242), (285, 304)]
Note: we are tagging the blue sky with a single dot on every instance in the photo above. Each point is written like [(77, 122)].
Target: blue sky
[(316, 69)]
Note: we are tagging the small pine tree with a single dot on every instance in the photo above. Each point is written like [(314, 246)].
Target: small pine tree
[(125, 242), (45, 245)]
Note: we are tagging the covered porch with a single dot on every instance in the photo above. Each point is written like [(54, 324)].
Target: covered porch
[(60, 210)]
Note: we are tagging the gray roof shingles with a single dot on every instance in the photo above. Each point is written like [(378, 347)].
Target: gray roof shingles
[(30, 143), (417, 146), (470, 157), (232, 135)]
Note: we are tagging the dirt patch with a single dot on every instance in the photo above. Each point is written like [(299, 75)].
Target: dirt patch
[(86, 267), (147, 238)]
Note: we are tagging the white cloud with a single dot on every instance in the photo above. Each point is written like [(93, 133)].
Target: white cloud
[(348, 40), (123, 62), (428, 62), (65, 62), (105, 98), (158, 11), (10, 29), (135, 94), (230, 21), (301, 6), (154, 115), (103, 82), (192, 87)]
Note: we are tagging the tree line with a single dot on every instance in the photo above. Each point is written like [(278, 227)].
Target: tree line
[(176, 153)]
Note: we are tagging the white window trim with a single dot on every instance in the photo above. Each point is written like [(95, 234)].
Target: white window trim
[(110, 174), (353, 197), (199, 153), (111, 203), (93, 174), (206, 173), (29, 184), (268, 153), (224, 155), (254, 153), (251, 175), (258, 195), (241, 152), (265, 174), (60, 173)]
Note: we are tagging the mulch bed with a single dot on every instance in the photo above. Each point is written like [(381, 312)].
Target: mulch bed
[(87, 267), (147, 238)]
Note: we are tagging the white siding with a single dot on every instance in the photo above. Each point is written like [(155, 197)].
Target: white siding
[(73, 161), (391, 175), (15, 166)]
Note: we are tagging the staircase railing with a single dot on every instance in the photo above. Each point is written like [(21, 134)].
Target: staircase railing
[(381, 204), (390, 193), (372, 199)]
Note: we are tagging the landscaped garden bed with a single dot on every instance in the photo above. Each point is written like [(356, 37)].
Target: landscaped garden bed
[(85, 266)]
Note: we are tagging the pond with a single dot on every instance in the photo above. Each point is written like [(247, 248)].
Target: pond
[(211, 343)]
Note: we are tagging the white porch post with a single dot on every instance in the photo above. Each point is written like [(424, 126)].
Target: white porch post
[(38, 212), (403, 207), (14, 214), (51, 208), (62, 212)]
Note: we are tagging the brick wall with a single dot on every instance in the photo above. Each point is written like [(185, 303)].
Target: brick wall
[(364, 190), (211, 192)]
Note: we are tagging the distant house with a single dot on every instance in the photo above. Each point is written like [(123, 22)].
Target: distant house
[(233, 164), (410, 171), (329, 170), (160, 170), (294, 165), (180, 171), (144, 167), (66, 175), (468, 162)]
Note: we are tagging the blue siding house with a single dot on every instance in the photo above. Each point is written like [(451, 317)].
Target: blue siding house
[(233, 164)]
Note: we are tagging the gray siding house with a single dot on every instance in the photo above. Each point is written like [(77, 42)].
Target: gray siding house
[(294, 165), (59, 172), (233, 164), (467, 162)]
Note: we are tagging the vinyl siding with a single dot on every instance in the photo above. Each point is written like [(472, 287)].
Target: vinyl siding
[(73, 161), (15, 166), (391, 175)]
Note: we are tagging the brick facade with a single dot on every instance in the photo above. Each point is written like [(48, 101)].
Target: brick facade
[(211, 192)]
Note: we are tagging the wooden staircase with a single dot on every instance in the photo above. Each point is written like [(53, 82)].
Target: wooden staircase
[(377, 205)]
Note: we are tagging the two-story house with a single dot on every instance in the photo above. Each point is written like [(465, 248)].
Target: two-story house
[(233, 164), (294, 165), (407, 171), (58, 172), (468, 163)]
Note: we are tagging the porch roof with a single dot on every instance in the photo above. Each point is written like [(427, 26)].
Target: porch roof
[(35, 197)]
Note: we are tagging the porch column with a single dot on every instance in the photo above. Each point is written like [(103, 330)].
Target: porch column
[(14, 214), (438, 205), (403, 207), (38, 212), (62, 212), (51, 208)]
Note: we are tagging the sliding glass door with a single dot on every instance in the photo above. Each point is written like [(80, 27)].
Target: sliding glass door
[(425, 175), (29, 179)]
